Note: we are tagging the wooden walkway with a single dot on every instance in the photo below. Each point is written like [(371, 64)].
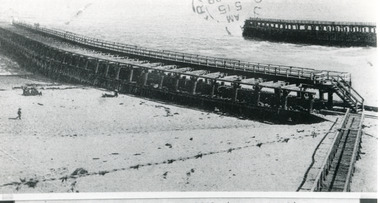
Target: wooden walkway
[(309, 74), (336, 173), (326, 81)]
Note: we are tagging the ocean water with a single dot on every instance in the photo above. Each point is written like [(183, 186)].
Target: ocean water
[(213, 28)]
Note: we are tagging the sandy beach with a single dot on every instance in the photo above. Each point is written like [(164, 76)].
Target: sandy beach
[(72, 140)]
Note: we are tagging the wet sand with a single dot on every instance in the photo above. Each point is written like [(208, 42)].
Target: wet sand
[(72, 140)]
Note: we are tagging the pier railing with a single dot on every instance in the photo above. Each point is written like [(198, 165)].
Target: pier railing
[(269, 69), (314, 22), (348, 94)]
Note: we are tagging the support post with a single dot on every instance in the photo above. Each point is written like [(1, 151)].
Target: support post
[(285, 95), (258, 94), (235, 92), (145, 77), (330, 99), (213, 88), (161, 81), (277, 93), (97, 67), (311, 102), (86, 65), (64, 59), (77, 62), (176, 83), (107, 69), (194, 89), (118, 72), (130, 76)]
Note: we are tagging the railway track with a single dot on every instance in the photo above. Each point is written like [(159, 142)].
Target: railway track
[(338, 168)]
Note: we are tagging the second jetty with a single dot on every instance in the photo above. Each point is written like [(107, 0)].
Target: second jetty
[(312, 32)]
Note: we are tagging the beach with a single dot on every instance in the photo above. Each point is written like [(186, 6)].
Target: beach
[(72, 140)]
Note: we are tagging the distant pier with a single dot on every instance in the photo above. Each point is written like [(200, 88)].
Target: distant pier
[(242, 88), (312, 32)]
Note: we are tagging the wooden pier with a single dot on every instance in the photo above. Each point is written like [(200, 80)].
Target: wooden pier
[(312, 32), (248, 89), (325, 82), (339, 165)]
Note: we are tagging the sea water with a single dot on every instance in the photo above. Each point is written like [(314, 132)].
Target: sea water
[(212, 28)]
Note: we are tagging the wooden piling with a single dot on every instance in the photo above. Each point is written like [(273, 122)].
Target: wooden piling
[(194, 87), (162, 77), (213, 82), (330, 99), (107, 69), (130, 75), (145, 77), (117, 77), (176, 83), (97, 66)]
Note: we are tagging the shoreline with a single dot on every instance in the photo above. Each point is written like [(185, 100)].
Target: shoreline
[(96, 129)]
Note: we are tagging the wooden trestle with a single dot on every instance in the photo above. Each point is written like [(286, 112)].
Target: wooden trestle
[(247, 89)]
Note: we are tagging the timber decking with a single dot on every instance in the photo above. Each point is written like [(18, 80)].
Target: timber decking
[(325, 81), (338, 168)]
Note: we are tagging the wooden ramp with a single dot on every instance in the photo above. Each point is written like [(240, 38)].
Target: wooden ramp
[(336, 173)]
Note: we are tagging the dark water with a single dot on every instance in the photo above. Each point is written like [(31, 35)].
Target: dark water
[(173, 25)]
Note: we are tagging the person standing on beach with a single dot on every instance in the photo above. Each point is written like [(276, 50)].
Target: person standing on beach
[(19, 114)]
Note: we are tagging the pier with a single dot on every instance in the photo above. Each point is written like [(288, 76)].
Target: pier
[(246, 88), (312, 32)]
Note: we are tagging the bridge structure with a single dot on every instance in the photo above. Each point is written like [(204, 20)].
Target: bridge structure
[(229, 83), (312, 32)]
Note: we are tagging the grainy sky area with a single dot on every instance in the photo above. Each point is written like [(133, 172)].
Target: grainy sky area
[(350, 10)]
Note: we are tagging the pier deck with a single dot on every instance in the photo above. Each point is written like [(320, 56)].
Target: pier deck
[(143, 71), (323, 81)]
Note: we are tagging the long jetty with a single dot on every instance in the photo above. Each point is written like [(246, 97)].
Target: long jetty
[(312, 32), (242, 87)]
